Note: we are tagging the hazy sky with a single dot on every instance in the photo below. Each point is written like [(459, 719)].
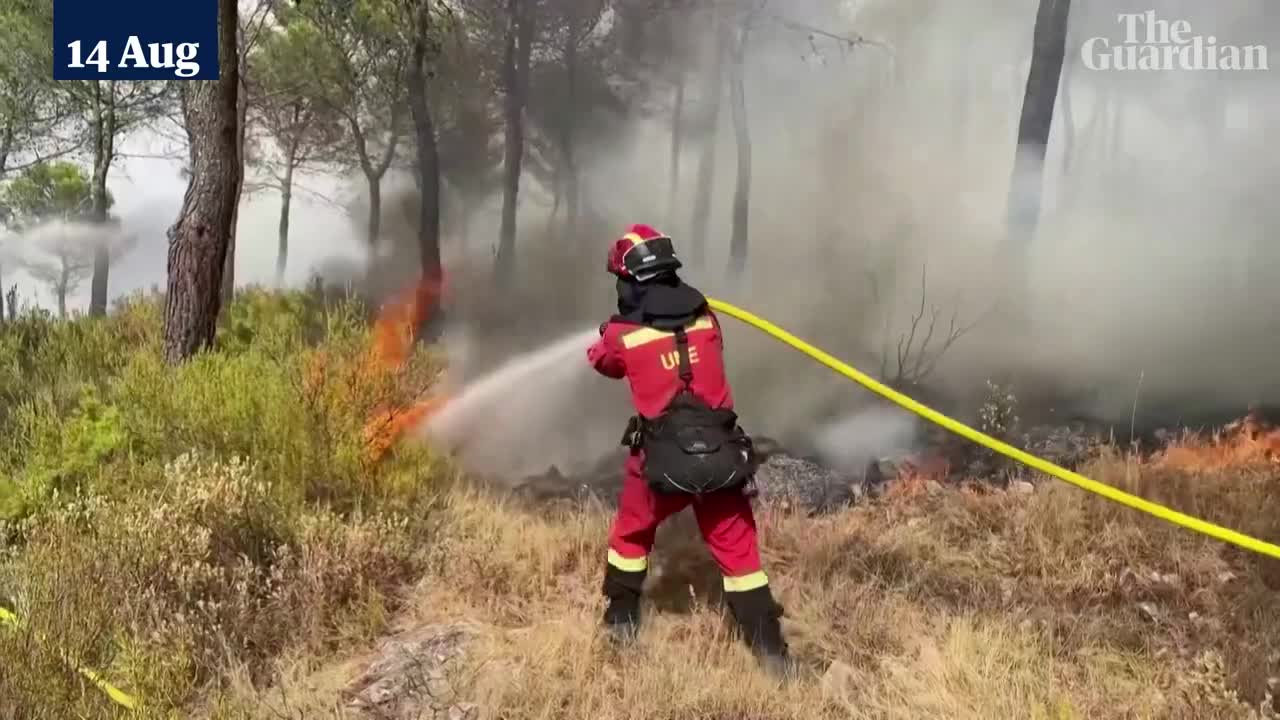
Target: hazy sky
[(148, 191)]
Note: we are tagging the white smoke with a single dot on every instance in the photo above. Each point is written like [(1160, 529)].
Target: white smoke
[(867, 434)]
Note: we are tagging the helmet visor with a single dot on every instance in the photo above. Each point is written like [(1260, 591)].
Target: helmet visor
[(651, 257)]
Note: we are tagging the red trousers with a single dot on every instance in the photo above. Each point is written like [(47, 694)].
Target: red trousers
[(725, 519)]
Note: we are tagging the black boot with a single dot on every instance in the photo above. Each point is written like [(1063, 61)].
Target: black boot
[(757, 617), (622, 616)]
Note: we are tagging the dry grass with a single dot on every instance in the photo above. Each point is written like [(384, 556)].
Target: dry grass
[(956, 603), (197, 585)]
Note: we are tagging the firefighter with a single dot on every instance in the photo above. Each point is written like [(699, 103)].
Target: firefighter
[(686, 447)]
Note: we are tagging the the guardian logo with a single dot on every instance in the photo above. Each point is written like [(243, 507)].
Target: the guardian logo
[(1152, 43)]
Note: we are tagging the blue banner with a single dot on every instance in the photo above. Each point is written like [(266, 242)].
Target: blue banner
[(135, 39)]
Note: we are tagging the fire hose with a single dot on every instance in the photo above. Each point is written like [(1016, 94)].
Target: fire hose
[(841, 368), (117, 695), (1113, 494)]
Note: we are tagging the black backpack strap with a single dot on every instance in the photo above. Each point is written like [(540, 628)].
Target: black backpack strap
[(682, 348)]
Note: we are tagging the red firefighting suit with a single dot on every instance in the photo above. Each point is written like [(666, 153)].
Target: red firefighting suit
[(640, 344), (647, 358)]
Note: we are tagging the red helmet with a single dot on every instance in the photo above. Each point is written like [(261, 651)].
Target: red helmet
[(642, 254)]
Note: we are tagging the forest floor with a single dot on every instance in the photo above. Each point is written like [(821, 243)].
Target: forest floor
[(217, 539), (935, 600)]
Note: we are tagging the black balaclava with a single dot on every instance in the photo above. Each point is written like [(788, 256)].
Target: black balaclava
[(665, 302)]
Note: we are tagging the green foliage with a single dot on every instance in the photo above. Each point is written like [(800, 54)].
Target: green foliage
[(355, 59), (56, 465), (45, 191), (28, 108), (304, 126), (281, 320), (226, 509)]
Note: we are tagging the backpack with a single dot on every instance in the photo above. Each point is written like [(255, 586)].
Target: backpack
[(692, 448)]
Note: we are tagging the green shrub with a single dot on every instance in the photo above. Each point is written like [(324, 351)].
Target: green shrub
[(162, 524), (90, 437)]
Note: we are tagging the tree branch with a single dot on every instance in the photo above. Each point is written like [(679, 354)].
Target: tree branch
[(846, 40)]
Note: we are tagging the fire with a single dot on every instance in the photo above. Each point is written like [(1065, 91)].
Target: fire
[(388, 426), (1244, 442), (915, 476), (399, 319), (394, 333)]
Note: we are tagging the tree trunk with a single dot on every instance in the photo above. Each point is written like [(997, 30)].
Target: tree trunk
[(104, 135), (286, 198), (1047, 55), (1, 295), (1068, 121), (428, 160), (464, 223), (742, 189), (6, 147), (228, 287), (60, 288), (569, 114), (198, 239), (677, 134), (515, 68), (242, 114), (707, 162), (374, 229), (374, 173)]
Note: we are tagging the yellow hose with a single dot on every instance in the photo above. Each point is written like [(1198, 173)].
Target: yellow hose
[(959, 428), (1169, 515), (117, 695)]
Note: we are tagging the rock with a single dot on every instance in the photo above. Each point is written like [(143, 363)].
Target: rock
[(784, 480), (1149, 612), (1022, 487), (407, 676)]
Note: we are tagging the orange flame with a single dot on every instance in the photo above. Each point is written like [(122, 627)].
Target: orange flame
[(1242, 443), (398, 321), (386, 427), (914, 476), (394, 333)]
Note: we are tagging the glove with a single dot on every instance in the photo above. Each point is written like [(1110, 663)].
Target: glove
[(633, 436)]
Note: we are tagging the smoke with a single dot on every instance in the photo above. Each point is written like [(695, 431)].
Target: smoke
[(873, 432), (60, 253), (880, 189), (511, 422), (70, 237), (880, 185)]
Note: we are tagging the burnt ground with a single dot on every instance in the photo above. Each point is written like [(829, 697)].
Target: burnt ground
[(800, 481), (796, 478)]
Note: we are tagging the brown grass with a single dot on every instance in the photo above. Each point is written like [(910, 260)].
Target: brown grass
[(953, 603)]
